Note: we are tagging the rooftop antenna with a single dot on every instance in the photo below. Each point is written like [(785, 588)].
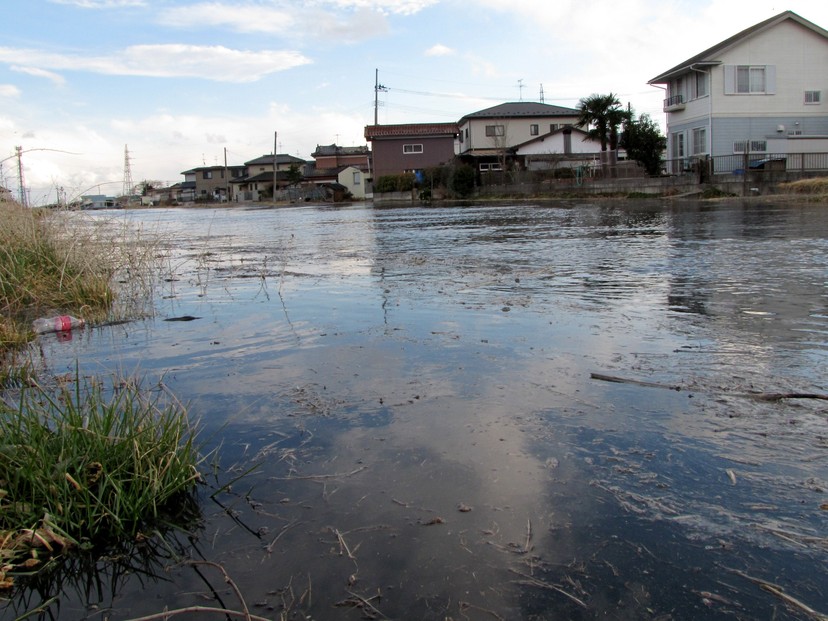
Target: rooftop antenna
[(541, 93), (377, 89), (127, 190), (520, 88)]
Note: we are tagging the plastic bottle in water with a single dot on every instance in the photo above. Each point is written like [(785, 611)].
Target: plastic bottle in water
[(61, 323)]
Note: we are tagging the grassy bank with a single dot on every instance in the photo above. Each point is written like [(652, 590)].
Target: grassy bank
[(45, 269), (83, 467)]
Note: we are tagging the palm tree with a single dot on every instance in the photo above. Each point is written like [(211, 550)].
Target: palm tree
[(602, 115)]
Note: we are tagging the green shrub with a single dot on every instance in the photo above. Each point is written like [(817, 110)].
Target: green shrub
[(463, 180), (386, 183)]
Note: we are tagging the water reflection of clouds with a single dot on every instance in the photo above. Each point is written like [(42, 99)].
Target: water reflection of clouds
[(467, 338)]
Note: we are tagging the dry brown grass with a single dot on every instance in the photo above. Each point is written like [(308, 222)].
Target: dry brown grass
[(54, 262), (815, 186)]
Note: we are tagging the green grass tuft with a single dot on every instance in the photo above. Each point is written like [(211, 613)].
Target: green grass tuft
[(95, 466)]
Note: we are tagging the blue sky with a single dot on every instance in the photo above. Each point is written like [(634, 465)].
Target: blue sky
[(178, 82)]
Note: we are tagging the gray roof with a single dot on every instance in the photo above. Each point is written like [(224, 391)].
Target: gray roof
[(525, 109), (710, 56), (281, 158)]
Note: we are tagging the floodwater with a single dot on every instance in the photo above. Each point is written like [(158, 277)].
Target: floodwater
[(423, 393)]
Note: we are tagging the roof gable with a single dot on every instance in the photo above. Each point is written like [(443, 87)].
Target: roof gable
[(709, 56), (580, 133)]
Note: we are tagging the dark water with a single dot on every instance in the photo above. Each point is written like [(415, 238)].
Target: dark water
[(418, 388)]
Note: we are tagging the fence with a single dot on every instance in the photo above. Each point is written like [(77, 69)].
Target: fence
[(739, 163)]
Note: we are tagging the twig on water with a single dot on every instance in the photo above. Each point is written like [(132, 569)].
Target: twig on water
[(532, 581), (320, 476), (778, 591), (526, 547), (357, 601), (167, 614), (343, 545), (464, 606), (285, 528), (760, 396)]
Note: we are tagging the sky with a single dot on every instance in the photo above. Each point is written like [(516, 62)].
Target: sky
[(171, 85)]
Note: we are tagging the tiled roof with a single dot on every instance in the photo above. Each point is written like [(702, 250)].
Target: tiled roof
[(333, 149), (525, 109), (281, 158), (411, 129)]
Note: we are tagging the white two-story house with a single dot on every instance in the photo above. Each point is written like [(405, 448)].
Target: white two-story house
[(488, 137), (761, 92)]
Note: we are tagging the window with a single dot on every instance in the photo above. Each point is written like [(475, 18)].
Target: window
[(678, 145), (750, 79), (698, 85), (412, 148), (208, 174), (677, 88), (812, 97), (699, 140), (533, 130), (357, 178), (553, 127), (495, 130), (493, 167), (756, 146)]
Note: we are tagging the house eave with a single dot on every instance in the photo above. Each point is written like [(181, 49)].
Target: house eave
[(666, 77)]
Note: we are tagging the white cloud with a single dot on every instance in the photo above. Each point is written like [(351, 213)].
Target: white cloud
[(269, 18), (397, 7), (101, 4), (439, 50), (9, 90), (167, 61), (346, 22), (40, 73)]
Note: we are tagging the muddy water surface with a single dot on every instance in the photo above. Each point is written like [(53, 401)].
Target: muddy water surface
[(424, 393)]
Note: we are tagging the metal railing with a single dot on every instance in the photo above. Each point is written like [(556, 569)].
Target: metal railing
[(674, 100), (739, 163)]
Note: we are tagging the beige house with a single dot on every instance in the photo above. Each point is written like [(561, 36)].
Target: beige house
[(486, 137)]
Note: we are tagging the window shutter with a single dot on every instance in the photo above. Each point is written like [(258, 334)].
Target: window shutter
[(770, 79), (730, 79)]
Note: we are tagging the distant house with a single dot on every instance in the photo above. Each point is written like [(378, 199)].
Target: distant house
[(333, 156), (563, 147), (486, 138), (5, 195), (762, 92), (257, 179), (354, 180), (410, 148), (212, 183)]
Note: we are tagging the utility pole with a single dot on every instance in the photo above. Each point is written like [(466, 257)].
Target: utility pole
[(377, 88), (275, 160), (520, 88), (226, 178)]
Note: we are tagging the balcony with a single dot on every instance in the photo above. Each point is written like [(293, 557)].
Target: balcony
[(674, 103)]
